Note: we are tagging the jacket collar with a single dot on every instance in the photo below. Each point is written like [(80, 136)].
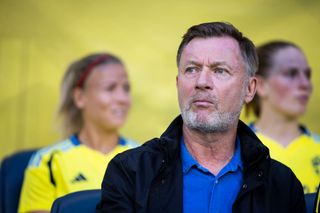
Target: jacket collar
[(170, 139), (252, 149)]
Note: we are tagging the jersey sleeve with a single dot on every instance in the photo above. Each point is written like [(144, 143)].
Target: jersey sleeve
[(38, 192)]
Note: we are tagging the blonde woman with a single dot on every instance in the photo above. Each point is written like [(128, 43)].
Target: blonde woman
[(95, 100)]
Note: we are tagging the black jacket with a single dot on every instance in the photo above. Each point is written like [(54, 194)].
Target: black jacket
[(149, 178)]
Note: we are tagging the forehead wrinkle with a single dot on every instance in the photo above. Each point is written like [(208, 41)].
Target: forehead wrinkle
[(210, 64), (196, 49)]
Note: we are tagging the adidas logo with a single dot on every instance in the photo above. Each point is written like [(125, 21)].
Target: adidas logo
[(78, 178)]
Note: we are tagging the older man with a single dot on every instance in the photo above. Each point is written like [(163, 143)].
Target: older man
[(207, 160)]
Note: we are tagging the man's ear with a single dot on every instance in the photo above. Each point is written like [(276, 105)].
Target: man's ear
[(79, 98), (251, 89)]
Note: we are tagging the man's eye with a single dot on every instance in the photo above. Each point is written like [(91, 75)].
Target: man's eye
[(191, 70), (219, 70)]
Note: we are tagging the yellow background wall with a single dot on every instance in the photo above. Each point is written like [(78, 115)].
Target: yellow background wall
[(39, 38)]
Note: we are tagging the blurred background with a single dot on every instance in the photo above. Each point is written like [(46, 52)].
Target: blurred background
[(39, 38)]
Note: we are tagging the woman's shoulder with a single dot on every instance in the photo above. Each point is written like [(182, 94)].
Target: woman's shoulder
[(128, 142), (313, 136), (45, 153)]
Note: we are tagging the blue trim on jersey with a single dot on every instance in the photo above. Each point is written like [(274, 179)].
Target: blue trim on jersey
[(122, 141), (74, 140), (302, 128), (61, 146), (315, 137), (251, 126)]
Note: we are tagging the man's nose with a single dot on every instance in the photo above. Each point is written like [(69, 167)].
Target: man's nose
[(204, 80)]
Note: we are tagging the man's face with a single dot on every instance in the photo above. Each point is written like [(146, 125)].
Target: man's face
[(212, 84)]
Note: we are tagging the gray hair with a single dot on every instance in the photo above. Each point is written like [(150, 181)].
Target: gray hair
[(221, 29)]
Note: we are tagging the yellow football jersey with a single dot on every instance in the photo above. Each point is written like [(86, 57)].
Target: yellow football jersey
[(302, 156), (64, 168)]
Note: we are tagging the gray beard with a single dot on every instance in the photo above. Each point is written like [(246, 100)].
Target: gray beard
[(215, 122)]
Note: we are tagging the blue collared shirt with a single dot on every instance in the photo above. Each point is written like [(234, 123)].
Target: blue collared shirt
[(206, 193)]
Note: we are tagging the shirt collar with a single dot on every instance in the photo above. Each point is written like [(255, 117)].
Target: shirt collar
[(75, 140), (236, 159), (188, 161)]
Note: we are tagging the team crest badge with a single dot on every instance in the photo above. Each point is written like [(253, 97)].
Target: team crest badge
[(316, 164)]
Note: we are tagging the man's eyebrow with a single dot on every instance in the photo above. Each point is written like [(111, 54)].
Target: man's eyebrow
[(211, 65), (219, 63), (192, 62)]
